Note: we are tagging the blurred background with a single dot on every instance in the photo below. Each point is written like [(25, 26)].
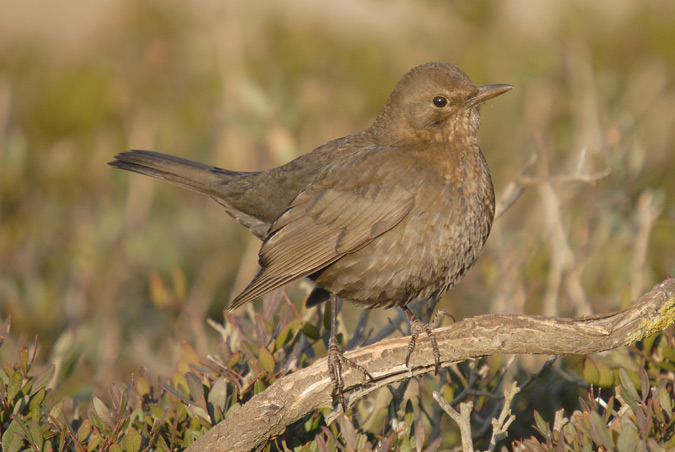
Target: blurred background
[(113, 271)]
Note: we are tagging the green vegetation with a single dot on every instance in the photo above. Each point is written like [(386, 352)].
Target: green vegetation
[(116, 274)]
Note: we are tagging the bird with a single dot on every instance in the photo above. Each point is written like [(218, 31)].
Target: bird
[(395, 213)]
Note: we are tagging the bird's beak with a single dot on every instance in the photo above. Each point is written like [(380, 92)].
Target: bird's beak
[(486, 92)]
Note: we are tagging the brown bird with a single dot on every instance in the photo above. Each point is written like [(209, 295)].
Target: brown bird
[(393, 214)]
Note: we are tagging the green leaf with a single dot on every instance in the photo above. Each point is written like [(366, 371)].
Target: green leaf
[(14, 386), (310, 331), (600, 431), (232, 409), (361, 442), (591, 373), (628, 391), (35, 404), (266, 360), (348, 432), (644, 384), (36, 435), (176, 393), (266, 324), (606, 376), (259, 386), (116, 396), (49, 447), (448, 392), (234, 359), (95, 443), (195, 387), (654, 446), (11, 439), (313, 423), (628, 437), (542, 425), (57, 409), (200, 414), (286, 334), (133, 440), (409, 415), (23, 359), (609, 410), (321, 444), (666, 402), (420, 435), (142, 386), (249, 348), (103, 412), (628, 398), (669, 353), (21, 404), (642, 422), (218, 395), (627, 383), (84, 431), (43, 379), (97, 422)]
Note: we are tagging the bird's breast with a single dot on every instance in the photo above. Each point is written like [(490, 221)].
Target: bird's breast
[(426, 253)]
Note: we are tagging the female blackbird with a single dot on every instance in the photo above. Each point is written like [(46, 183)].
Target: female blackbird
[(396, 213)]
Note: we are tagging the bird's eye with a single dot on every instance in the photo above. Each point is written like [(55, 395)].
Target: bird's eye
[(440, 101)]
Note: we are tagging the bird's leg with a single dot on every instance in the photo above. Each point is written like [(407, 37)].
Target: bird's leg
[(336, 359), (416, 327)]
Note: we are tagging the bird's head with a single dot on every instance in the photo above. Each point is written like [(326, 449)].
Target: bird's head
[(434, 101)]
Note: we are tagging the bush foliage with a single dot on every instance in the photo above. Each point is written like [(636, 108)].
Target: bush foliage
[(624, 408)]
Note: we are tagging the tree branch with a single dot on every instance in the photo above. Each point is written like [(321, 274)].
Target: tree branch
[(294, 396)]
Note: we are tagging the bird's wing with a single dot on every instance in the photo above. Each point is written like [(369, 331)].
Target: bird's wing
[(329, 219)]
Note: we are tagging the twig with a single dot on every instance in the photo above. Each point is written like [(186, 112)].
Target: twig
[(462, 417), (359, 336), (394, 324), (559, 421), (544, 367), (501, 425), (515, 188), (649, 208)]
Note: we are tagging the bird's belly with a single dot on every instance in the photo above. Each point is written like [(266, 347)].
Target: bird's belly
[(420, 258)]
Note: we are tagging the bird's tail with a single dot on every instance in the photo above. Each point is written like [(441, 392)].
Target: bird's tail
[(222, 185), (178, 171)]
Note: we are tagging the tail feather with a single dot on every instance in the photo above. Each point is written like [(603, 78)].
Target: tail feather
[(222, 185), (182, 172)]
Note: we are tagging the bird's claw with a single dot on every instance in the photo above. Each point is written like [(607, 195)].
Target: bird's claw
[(417, 327), (336, 360)]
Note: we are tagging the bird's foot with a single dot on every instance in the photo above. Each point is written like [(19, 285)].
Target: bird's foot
[(336, 361), (417, 327)]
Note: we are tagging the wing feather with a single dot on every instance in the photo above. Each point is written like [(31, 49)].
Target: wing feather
[(324, 222)]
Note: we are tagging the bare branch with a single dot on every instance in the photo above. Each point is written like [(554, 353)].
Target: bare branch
[(462, 417), (500, 426), (649, 208), (294, 396), (516, 187)]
